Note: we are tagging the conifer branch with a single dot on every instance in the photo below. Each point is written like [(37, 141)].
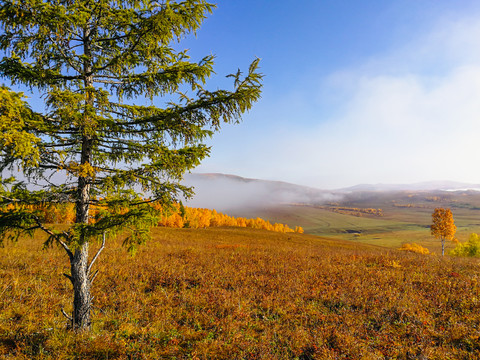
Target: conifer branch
[(53, 235)]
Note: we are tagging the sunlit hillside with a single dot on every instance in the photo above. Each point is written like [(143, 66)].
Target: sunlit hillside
[(403, 216)]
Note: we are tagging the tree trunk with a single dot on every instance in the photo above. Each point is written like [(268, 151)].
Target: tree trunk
[(443, 247), (82, 301)]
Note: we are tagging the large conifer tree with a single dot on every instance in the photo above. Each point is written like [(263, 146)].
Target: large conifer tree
[(94, 62)]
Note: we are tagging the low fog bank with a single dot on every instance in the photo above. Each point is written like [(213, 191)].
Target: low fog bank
[(444, 185), (229, 193)]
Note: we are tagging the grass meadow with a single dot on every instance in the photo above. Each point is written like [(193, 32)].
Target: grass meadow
[(237, 293), (406, 218)]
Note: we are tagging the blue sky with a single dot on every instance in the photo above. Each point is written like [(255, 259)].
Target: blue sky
[(368, 91), (354, 91)]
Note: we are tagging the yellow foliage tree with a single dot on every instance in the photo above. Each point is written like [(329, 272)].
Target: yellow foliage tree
[(299, 229), (443, 226)]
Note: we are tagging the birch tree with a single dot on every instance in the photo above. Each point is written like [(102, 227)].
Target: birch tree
[(443, 226)]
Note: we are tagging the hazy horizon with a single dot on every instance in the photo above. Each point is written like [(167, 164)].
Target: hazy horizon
[(229, 193), (440, 183)]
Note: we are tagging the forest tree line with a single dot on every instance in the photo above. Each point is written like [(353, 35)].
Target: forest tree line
[(175, 216)]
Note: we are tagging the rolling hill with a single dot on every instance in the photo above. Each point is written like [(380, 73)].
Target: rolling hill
[(386, 215), (242, 293), (237, 293)]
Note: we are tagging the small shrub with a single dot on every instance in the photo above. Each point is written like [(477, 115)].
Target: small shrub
[(469, 248), (413, 247)]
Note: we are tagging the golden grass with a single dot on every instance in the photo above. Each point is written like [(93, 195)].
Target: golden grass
[(229, 293)]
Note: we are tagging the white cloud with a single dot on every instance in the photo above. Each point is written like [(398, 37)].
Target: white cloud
[(399, 129), (401, 126)]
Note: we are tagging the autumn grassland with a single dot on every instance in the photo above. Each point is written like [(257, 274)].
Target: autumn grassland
[(241, 293)]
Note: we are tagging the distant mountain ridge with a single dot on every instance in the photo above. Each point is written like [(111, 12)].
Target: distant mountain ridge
[(226, 192), (445, 185), (275, 183)]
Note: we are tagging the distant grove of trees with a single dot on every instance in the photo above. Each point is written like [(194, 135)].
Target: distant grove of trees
[(353, 211), (176, 216), (357, 211)]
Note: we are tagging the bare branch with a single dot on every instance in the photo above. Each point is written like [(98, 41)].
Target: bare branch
[(68, 277), (96, 256), (65, 57), (108, 82), (93, 277), (52, 145), (67, 249), (69, 318)]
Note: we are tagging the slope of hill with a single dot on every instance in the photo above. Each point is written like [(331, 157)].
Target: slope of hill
[(243, 294), (378, 216)]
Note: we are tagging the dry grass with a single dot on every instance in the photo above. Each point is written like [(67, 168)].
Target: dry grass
[(230, 293)]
